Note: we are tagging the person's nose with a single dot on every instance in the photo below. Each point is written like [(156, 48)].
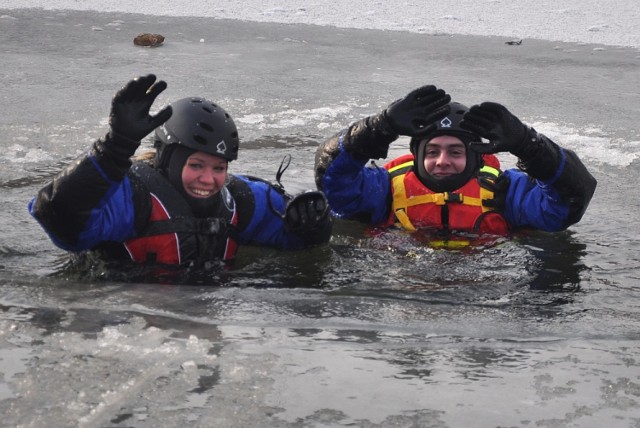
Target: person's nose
[(207, 176), (443, 159)]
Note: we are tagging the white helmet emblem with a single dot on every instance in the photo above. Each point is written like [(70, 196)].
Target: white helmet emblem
[(445, 123), (221, 147), (166, 133)]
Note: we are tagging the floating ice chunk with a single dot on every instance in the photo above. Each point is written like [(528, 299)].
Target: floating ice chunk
[(275, 10), (189, 365), (251, 118), (598, 27)]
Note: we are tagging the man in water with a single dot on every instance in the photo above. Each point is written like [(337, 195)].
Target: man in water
[(451, 181)]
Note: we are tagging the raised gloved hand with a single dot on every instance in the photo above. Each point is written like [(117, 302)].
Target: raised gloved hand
[(412, 115), (129, 119), (306, 212), (416, 113), (505, 132)]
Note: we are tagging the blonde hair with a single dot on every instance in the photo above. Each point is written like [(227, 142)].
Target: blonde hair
[(147, 156)]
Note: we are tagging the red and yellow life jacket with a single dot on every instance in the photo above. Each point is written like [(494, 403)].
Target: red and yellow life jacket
[(173, 235), (417, 207)]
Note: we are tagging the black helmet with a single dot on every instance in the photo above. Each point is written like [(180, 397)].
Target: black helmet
[(450, 125), (201, 125)]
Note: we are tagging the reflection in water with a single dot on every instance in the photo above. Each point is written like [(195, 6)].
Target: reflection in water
[(421, 356), (558, 261)]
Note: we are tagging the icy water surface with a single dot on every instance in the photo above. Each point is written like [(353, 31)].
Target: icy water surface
[(539, 330)]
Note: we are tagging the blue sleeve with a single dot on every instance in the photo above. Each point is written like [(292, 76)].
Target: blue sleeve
[(266, 226), (112, 220), (534, 203), (109, 217), (354, 190)]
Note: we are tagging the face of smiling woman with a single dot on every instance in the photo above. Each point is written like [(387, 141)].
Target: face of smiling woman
[(203, 175)]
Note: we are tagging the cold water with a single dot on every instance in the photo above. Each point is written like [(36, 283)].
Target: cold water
[(537, 330)]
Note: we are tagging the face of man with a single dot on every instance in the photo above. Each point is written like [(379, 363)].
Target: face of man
[(444, 156)]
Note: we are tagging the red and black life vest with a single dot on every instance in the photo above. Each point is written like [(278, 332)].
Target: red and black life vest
[(417, 207), (173, 235)]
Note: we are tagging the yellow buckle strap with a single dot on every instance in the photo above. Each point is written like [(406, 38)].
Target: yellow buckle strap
[(443, 198), (403, 218)]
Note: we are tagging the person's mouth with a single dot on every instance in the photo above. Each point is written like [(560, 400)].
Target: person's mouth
[(201, 193)]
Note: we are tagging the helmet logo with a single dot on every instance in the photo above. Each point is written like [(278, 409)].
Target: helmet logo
[(446, 123), (165, 132), (221, 147)]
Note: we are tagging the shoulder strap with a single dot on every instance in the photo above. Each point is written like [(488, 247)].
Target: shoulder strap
[(397, 175), (400, 169), (160, 186)]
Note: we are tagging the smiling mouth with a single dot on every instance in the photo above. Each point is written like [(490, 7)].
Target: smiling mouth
[(201, 193)]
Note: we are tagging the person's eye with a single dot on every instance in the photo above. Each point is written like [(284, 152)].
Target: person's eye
[(219, 169), (195, 165)]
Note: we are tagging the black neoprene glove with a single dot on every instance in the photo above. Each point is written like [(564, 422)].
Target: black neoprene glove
[(499, 186), (416, 113), (306, 211), (413, 115), (130, 120), (505, 132)]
